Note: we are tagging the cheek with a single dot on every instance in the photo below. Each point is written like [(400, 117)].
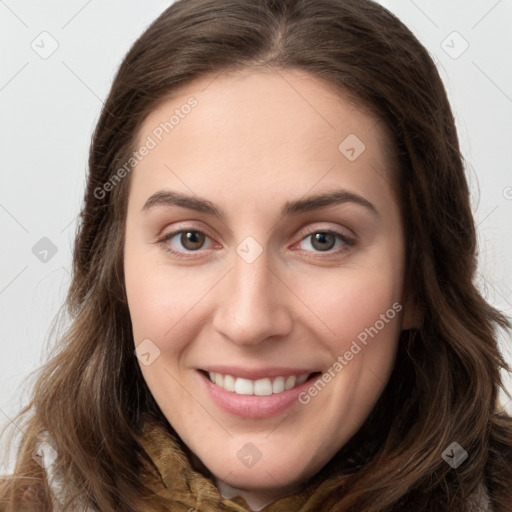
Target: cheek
[(167, 301), (160, 304), (351, 301), (162, 301)]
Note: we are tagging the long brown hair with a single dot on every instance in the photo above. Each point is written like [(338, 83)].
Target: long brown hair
[(91, 395)]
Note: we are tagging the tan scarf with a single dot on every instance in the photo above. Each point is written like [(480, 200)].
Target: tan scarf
[(186, 485), (187, 488)]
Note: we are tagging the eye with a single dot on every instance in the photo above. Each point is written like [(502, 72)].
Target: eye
[(325, 240), (192, 240)]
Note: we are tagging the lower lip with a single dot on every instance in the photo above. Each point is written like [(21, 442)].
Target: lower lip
[(253, 406)]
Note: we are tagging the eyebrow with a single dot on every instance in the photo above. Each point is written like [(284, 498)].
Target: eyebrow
[(291, 208)]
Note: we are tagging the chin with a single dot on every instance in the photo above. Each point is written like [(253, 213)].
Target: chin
[(268, 473)]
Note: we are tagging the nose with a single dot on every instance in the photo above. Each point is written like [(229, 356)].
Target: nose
[(253, 303)]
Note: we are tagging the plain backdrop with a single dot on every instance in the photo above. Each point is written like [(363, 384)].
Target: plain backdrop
[(57, 63)]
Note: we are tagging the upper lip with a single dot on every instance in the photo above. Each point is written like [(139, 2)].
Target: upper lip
[(257, 373)]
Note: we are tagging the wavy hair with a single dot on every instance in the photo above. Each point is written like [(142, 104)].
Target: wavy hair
[(91, 395)]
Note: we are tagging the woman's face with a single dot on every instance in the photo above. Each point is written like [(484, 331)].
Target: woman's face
[(235, 265)]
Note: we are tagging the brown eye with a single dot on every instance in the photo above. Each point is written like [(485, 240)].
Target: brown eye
[(185, 241), (192, 240), (323, 241)]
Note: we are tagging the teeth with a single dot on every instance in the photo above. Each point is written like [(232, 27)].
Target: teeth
[(278, 385), (290, 382), (260, 387), (301, 379), (229, 383), (242, 386), (263, 387)]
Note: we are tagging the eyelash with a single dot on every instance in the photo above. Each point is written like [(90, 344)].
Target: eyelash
[(347, 241)]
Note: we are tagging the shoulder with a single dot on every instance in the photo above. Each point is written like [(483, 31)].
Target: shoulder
[(46, 454), (26, 490), (38, 486), (479, 500)]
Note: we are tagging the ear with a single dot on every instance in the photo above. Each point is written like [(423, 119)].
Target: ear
[(412, 317)]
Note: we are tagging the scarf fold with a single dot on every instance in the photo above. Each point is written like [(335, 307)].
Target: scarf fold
[(188, 488)]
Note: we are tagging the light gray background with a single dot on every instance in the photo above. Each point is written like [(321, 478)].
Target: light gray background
[(50, 104)]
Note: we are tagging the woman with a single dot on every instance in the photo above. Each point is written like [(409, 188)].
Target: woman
[(272, 293)]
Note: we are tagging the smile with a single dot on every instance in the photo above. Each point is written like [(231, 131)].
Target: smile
[(255, 393), (260, 387)]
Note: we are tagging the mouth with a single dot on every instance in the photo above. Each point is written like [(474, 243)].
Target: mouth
[(259, 387), (255, 394)]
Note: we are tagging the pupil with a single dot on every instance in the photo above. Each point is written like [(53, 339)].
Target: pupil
[(322, 237), (192, 239)]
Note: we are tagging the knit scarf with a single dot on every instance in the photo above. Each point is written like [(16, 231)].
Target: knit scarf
[(189, 488)]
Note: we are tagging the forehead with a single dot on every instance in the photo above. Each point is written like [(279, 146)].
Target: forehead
[(271, 129)]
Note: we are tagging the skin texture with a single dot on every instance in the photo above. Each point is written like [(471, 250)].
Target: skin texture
[(255, 140)]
